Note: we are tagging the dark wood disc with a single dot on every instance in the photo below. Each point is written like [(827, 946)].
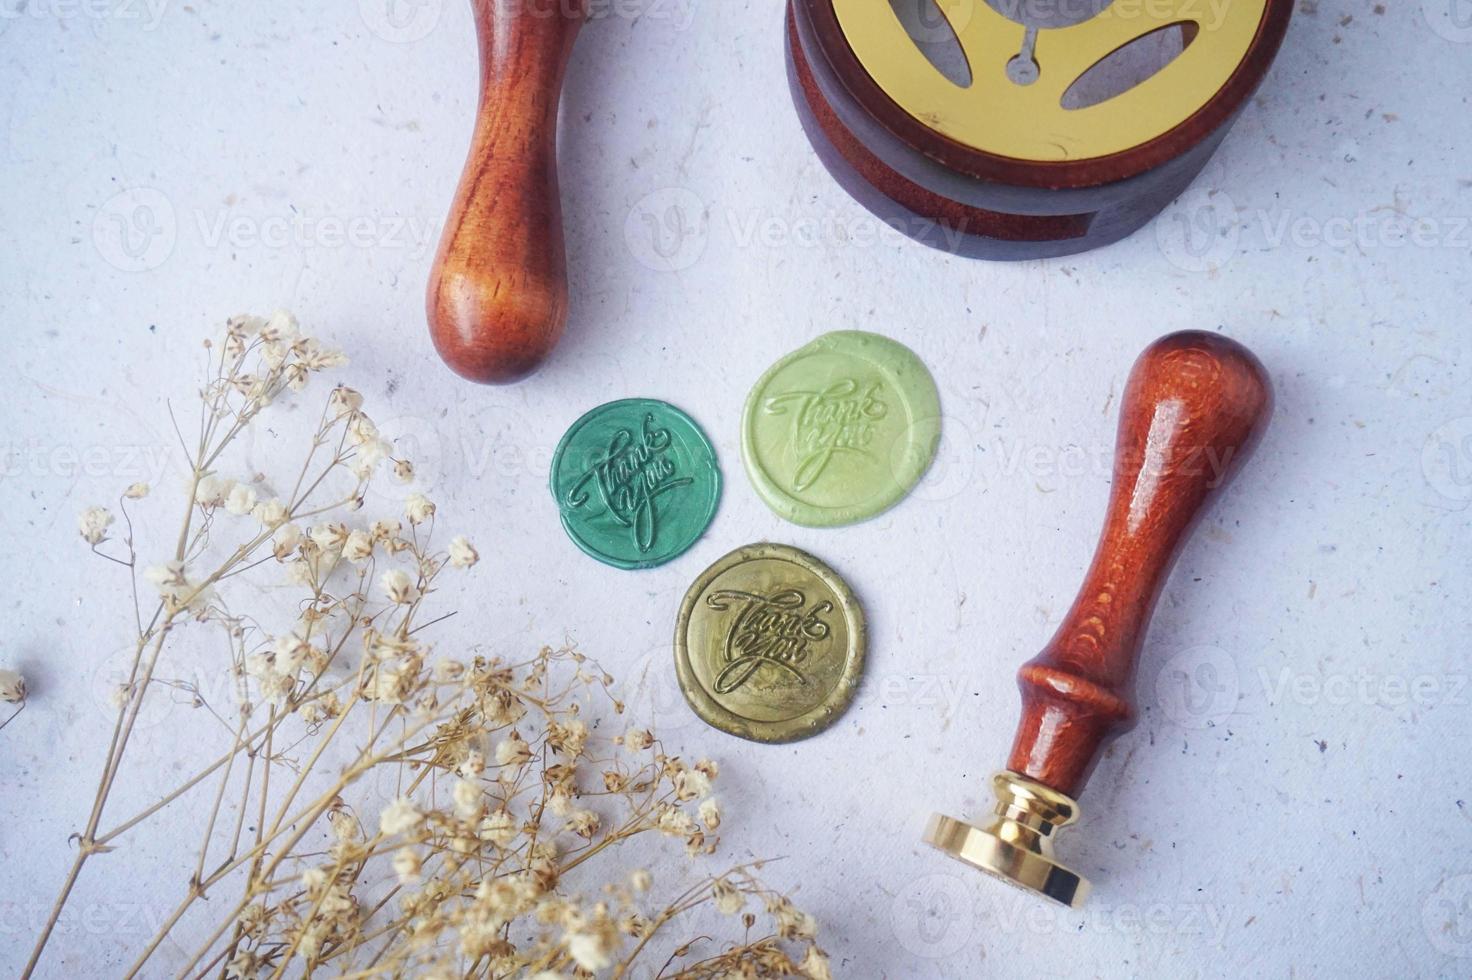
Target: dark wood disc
[(969, 202)]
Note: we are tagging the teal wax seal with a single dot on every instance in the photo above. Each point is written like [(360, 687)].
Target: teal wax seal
[(841, 430), (636, 482)]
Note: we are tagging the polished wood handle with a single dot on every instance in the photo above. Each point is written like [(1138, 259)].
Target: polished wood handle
[(497, 299), (1193, 411)]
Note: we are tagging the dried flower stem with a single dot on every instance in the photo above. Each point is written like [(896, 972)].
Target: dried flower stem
[(468, 871)]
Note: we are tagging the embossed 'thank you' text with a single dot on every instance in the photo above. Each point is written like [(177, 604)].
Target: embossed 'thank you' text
[(774, 629), (629, 477), (836, 420)]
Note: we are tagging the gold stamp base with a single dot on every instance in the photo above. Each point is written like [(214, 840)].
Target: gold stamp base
[(1016, 845)]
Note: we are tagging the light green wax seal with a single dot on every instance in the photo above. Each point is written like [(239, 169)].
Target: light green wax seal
[(841, 430)]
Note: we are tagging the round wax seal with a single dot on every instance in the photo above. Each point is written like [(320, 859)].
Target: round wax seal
[(840, 430), (636, 482), (770, 644)]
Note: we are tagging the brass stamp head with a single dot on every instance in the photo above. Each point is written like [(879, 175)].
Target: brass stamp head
[(1016, 845)]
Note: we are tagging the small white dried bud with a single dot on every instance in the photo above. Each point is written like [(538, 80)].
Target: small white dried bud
[(212, 490), (344, 401), (137, 491), (386, 531), (367, 457), (467, 795), (499, 828), (418, 508), (280, 326), (93, 524), (361, 430), (358, 548), (271, 513), (729, 900), (584, 823), (398, 586), (692, 785), (815, 966), (463, 553), (12, 687), (285, 540), (403, 470), (674, 822), (638, 739), (329, 537), (710, 815), (641, 881), (474, 764), (589, 951), (513, 750), (241, 500), (399, 816), (406, 865)]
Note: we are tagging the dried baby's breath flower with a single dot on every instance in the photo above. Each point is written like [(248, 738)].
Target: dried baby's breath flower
[(12, 687), (478, 863), (280, 327), (403, 471), (674, 822), (93, 524), (638, 739), (499, 828), (406, 865), (241, 500), (175, 588), (418, 508), (286, 540), (591, 950), (584, 823), (271, 513), (513, 750), (136, 491), (814, 965), (330, 537), (358, 547), (361, 430), (691, 784), (367, 458), (462, 553), (473, 766), (792, 922), (344, 401), (398, 586), (468, 799), (728, 898), (399, 816), (211, 490)]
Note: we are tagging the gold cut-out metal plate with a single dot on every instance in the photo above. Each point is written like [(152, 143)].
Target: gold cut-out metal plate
[(1028, 122)]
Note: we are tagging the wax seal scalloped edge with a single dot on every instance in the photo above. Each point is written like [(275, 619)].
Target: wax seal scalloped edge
[(612, 561), (805, 726), (925, 423)]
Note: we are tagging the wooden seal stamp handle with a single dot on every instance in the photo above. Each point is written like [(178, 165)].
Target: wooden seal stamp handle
[(1193, 411), (497, 299), (1195, 406)]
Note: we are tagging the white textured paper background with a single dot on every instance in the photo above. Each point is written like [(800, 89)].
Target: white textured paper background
[(1297, 799)]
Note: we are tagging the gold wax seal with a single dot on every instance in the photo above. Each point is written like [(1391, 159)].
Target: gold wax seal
[(770, 644)]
